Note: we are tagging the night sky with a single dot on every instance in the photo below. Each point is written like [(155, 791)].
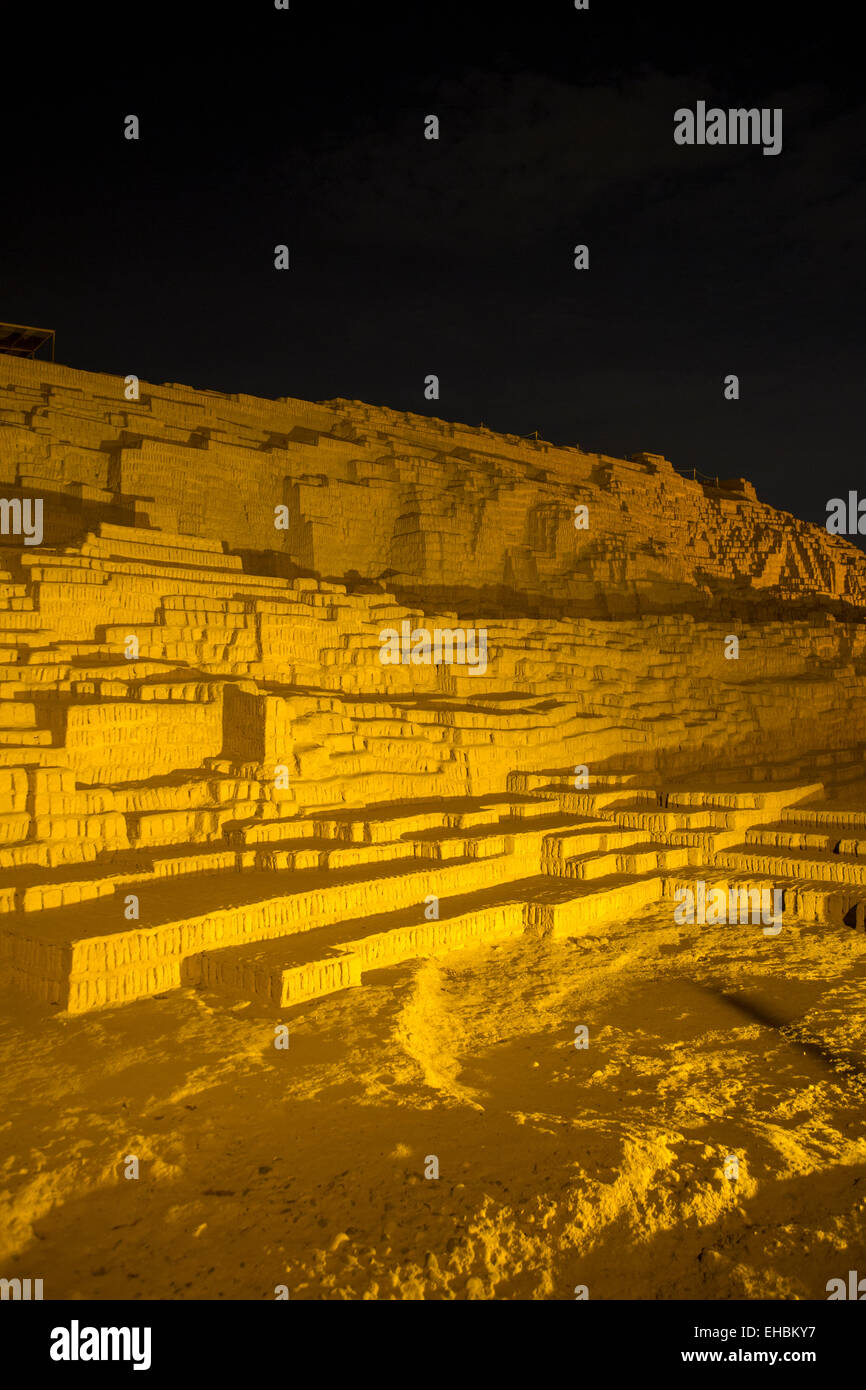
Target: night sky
[(411, 257)]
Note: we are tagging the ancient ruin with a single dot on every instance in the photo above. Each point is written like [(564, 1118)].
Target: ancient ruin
[(210, 777)]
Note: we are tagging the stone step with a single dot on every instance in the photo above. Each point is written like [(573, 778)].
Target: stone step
[(705, 843), (746, 798), (526, 836), (804, 902), (122, 548), (380, 824), (643, 858), (17, 714), (37, 887), (658, 821), (158, 538), (45, 854), (828, 836), (562, 779), (20, 755), (486, 814), (280, 831), (195, 859), (586, 838), (559, 907), (829, 815), (589, 802), (346, 856), (86, 956), (25, 738), (530, 808), (152, 578), (14, 826), (280, 855), (297, 969), (846, 869)]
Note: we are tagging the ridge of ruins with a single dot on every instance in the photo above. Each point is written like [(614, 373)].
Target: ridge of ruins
[(209, 776)]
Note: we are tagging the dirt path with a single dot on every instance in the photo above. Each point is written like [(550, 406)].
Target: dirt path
[(558, 1166)]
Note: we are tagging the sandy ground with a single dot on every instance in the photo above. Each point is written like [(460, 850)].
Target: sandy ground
[(558, 1167)]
